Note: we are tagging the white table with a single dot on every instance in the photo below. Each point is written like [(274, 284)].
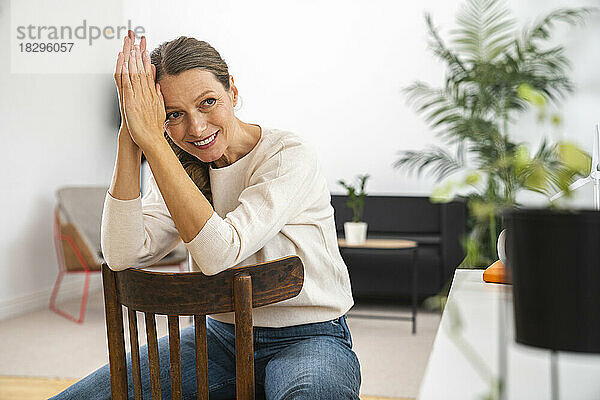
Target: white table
[(487, 336)]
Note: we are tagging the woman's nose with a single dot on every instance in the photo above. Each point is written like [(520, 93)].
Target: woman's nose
[(198, 124)]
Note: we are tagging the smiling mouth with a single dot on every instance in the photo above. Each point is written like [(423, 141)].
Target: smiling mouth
[(207, 141)]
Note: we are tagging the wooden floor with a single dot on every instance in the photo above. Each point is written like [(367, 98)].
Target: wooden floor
[(27, 388)]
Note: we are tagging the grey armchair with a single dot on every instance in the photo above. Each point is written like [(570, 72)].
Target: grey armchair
[(77, 222)]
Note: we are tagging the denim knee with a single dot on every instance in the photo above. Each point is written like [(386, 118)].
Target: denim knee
[(324, 387), (318, 368), (95, 386)]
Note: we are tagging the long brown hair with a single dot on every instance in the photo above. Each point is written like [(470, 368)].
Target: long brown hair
[(174, 57)]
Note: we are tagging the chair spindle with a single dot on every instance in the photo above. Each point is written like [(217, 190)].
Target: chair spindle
[(153, 356), (115, 336), (175, 358), (135, 354), (201, 357), (244, 349)]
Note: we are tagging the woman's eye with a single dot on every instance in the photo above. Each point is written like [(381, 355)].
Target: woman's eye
[(173, 115), (209, 102)]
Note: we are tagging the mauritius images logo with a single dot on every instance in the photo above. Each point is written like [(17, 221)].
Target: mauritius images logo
[(65, 34)]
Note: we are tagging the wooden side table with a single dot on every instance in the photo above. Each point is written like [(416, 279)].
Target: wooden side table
[(397, 246)]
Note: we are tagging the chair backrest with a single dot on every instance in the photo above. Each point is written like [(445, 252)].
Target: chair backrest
[(193, 293)]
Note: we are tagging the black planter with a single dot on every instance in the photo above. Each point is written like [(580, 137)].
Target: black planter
[(553, 260)]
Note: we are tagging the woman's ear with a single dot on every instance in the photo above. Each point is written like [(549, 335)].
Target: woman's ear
[(234, 91)]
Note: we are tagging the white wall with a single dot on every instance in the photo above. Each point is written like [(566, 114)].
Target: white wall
[(332, 71), (56, 130)]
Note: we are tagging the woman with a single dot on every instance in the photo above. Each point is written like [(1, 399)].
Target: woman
[(236, 194)]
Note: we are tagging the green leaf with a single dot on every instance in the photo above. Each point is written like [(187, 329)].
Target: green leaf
[(485, 30), (439, 162), (443, 193), (535, 97), (473, 178), (482, 210), (574, 158), (521, 158), (537, 178), (356, 193)]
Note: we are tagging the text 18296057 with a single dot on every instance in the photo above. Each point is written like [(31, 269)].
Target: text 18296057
[(56, 47)]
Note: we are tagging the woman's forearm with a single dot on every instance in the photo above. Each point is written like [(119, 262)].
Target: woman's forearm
[(125, 184), (187, 205), (122, 233)]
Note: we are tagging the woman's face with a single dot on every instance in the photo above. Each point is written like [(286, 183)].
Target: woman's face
[(199, 113)]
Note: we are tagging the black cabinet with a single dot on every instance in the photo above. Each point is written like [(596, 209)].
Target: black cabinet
[(437, 228)]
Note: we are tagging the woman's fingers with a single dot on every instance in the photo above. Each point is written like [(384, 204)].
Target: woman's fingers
[(119, 84), (153, 72), (131, 36), (128, 43), (118, 71), (142, 61), (144, 50), (159, 93), (125, 56), (126, 48), (118, 68), (134, 73), (128, 91), (161, 101), (141, 70), (148, 72)]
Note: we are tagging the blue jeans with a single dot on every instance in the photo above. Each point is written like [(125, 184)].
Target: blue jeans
[(311, 361)]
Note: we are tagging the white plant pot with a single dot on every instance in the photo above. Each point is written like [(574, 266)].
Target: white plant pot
[(356, 232)]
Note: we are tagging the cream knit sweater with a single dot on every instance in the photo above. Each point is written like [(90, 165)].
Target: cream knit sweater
[(271, 203)]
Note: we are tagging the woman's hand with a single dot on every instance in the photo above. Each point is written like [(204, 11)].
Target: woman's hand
[(125, 55), (142, 103)]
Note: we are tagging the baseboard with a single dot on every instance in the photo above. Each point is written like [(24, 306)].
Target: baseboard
[(70, 288)]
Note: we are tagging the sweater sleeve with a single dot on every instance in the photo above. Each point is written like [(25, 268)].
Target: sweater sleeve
[(137, 233), (276, 192)]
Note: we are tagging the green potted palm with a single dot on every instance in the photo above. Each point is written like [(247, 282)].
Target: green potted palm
[(495, 72), (355, 231)]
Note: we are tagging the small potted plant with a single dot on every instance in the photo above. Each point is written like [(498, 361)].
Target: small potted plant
[(356, 231)]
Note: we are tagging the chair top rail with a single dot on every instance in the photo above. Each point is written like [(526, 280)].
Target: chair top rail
[(194, 293)]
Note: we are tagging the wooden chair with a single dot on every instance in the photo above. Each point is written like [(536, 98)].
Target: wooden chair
[(193, 293)]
